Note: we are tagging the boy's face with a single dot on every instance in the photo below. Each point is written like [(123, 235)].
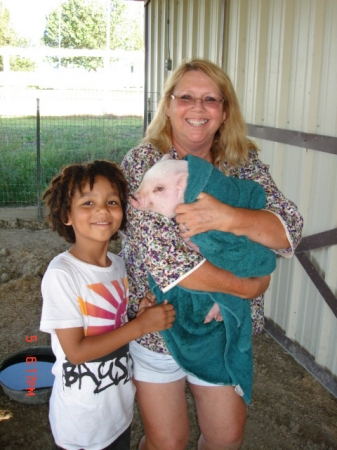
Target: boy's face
[(95, 215)]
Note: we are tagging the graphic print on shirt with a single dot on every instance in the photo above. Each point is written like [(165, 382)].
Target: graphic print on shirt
[(100, 374), (105, 311), (101, 320)]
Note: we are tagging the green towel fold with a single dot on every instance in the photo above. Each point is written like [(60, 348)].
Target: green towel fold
[(218, 352)]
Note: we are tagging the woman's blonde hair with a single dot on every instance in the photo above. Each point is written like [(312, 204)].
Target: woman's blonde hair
[(230, 141)]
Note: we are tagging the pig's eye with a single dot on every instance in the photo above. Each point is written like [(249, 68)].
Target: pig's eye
[(158, 189)]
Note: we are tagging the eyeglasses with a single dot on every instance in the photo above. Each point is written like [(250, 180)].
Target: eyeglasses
[(207, 101)]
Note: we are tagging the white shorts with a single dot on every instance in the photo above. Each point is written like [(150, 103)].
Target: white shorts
[(155, 367)]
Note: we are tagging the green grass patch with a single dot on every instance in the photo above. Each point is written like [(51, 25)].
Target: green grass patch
[(63, 140)]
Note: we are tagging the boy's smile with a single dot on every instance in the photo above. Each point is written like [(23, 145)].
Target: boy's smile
[(96, 214)]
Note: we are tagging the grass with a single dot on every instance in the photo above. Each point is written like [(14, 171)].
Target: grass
[(63, 140)]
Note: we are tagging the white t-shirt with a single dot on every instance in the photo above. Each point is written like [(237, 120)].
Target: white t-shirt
[(91, 403)]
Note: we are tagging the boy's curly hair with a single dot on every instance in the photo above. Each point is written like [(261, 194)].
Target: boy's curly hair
[(58, 196)]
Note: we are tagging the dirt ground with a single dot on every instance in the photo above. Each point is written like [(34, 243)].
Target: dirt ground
[(290, 410)]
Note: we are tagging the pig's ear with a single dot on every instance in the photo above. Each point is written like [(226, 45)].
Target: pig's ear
[(182, 181), (166, 157)]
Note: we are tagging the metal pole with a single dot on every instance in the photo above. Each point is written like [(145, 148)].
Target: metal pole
[(108, 27), (38, 160), (146, 68), (59, 32)]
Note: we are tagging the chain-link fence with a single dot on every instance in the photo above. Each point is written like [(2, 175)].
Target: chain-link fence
[(43, 130)]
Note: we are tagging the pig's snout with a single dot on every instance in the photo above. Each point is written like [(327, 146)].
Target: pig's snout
[(138, 201), (134, 201)]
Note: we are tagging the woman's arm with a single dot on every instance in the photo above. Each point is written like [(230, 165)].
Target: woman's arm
[(208, 213), (212, 279), (278, 226), (80, 348), (152, 244)]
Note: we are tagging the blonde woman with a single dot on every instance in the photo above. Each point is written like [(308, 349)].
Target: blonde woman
[(198, 114)]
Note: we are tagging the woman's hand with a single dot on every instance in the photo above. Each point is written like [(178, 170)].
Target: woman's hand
[(206, 214)]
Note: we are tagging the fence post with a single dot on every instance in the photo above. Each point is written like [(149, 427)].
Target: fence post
[(38, 162)]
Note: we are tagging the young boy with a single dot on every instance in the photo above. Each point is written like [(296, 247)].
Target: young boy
[(85, 293)]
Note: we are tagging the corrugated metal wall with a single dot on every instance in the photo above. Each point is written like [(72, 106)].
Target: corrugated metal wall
[(176, 30), (282, 58)]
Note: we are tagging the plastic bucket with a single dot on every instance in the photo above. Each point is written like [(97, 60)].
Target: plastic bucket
[(26, 377)]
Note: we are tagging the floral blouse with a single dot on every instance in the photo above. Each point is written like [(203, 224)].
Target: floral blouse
[(151, 242)]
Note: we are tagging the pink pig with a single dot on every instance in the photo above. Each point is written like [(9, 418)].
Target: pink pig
[(160, 191), (163, 187)]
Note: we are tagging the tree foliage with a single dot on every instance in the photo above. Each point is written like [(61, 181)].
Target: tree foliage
[(83, 24), (8, 37)]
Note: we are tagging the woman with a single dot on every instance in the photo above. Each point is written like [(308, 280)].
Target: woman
[(198, 114)]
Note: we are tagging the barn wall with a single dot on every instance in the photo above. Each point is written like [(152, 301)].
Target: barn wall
[(282, 58)]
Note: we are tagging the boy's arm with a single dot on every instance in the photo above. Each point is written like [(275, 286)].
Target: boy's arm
[(80, 348)]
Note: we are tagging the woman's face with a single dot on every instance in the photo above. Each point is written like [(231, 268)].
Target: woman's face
[(194, 125)]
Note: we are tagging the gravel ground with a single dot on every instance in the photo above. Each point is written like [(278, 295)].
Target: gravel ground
[(290, 410)]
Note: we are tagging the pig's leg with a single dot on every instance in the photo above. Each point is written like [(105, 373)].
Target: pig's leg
[(214, 313)]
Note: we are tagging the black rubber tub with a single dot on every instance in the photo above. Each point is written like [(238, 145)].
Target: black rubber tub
[(26, 377)]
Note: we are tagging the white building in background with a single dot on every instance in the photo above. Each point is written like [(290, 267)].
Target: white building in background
[(66, 91)]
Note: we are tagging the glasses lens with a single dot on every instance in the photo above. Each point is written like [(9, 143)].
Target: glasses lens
[(185, 100), (209, 102)]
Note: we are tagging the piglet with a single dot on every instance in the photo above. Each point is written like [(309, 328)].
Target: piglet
[(161, 190), (163, 187)]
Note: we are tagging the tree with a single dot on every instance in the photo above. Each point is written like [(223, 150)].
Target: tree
[(8, 37), (82, 24), (7, 34), (125, 32)]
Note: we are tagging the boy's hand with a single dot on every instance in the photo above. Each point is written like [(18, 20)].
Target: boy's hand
[(156, 318), (146, 302)]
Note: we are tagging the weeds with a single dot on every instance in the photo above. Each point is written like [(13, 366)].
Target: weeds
[(63, 140)]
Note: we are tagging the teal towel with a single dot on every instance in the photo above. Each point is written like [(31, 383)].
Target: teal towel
[(237, 254), (218, 352)]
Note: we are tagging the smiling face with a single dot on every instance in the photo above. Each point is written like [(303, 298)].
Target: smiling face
[(96, 214), (194, 126)]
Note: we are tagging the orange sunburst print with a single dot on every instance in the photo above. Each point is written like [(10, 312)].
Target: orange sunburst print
[(111, 312)]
